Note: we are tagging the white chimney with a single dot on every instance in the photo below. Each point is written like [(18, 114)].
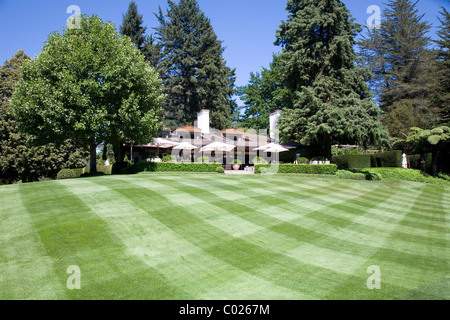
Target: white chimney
[(203, 121), (273, 118)]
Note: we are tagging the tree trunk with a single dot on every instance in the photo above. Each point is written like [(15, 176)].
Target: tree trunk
[(118, 151), (327, 146), (434, 161), (422, 162), (93, 158)]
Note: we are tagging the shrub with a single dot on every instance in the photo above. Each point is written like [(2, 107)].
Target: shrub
[(329, 169), (443, 176), (168, 158), (404, 174), (145, 166), (335, 151), (262, 170), (390, 159), (344, 174), (358, 161), (78, 172), (340, 161), (302, 160), (237, 161), (259, 160), (66, 174), (414, 161), (220, 170)]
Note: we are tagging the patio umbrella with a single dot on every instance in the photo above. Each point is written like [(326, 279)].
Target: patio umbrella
[(184, 146), (164, 143), (276, 149), (404, 161), (218, 147), (264, 147)]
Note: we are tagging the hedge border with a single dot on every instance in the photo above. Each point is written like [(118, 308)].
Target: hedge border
[(326, 169), (145, 166)]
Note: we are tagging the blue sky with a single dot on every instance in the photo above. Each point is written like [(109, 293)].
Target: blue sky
[(247, 27)]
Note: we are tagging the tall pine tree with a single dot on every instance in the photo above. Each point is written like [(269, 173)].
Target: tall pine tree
[(401, 66), (192, 66), (331, 102), (132, 26), (441, 96)]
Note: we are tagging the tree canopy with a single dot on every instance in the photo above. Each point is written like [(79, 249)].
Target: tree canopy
[(331, 102), (18, 160), (90, 85), (194, 72), (401, 65)]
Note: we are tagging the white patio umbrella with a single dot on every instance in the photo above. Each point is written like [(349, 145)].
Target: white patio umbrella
[(184, 146), (264, 147), (404, 161), (164, 143), (276, 149), (218, 147)]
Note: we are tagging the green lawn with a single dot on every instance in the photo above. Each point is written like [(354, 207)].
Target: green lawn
[(212, 236)]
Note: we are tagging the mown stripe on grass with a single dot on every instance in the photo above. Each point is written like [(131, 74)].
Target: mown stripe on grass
[(193, 229), (26, 269), (308, 204), (182, 263), (243, 212), (73, 235), (428, 251), (271, 266), (248, 238)]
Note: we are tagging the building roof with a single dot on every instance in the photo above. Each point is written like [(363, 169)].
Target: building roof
[(188, 128), (232, 131)]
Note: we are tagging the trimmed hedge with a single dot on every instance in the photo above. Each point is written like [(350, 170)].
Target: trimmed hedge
[(387, 159), (66, 174), (145, 166), (358, 161), (403, 174), (391, 159), (329, 169), (341, 161), (81, 171), (344, 174)]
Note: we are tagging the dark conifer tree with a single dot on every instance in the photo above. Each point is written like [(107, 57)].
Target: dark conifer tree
[(441, 96), (132, 26), (192, 66), (331, 102), (397, 54)]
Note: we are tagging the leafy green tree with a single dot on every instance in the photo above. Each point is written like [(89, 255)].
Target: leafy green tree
[(19, 161), (331, 102), (401, 64), (264, 93), (192, 66), (435, 140), (441, 96), (90, 85)]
